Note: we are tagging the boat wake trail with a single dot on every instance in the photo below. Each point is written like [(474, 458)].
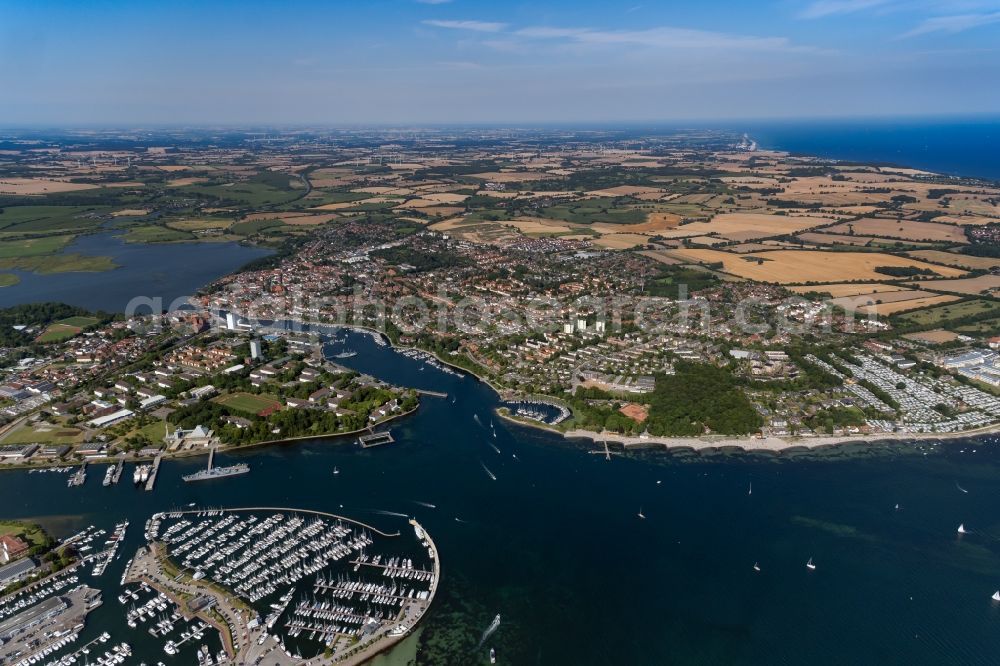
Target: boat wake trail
[(475, 417), (487, 470), (427, 504), (961, 488), (390, 513)]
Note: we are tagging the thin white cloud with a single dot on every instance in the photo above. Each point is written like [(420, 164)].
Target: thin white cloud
[(662, 37), (475, 26), (459, 64), (953, 24), (824, 8)]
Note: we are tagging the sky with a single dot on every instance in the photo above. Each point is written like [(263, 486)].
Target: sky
[(466, 61)]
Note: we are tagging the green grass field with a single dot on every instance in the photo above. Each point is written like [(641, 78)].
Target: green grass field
[(266, 188), (248, 402), (945, 313), (29, 247), (25, 219), (43, 434), (595, 210), (57, 333), (155, 233), (254, 227), (64, 329), (157, 430), (81, 322)]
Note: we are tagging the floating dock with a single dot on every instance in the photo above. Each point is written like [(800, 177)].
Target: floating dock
[(151, 481), (375, 439)]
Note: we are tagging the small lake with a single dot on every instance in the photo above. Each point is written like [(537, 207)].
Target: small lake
[(165, 270)]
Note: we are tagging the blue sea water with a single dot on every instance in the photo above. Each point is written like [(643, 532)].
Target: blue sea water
[(955, 146), (555, 546)]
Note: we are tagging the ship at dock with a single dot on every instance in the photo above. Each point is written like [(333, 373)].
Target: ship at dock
[(218, 473), (213, 472)]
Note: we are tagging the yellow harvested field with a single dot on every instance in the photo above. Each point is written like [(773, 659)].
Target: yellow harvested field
[(936, 337), (966, 219), (744, 248), (749, 226), (799, 266), (972, 286), (342, 205), (398, 191), (834, 239), (538, 225), (903, 229), (661, 256), (838, 290), (659, 221), (955, 259), (621, 241), (903, 306), (640, 228), (428, 200), (199, 225), (711, 241), (446, 197), (974, 205), (130, 212), (32, 186), (170, 168), (877, 298)]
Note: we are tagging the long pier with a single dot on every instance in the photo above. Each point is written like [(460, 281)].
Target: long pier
[(117, 475), (152, 474)]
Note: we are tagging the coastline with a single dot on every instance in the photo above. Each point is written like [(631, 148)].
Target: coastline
[(179, 455), (746, 444), (773, 444)]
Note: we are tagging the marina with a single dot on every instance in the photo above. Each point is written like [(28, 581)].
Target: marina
[(269, 558), (534, 528), (544, 412)]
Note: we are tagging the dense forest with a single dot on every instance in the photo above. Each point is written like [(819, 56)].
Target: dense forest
[(700, 396)]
